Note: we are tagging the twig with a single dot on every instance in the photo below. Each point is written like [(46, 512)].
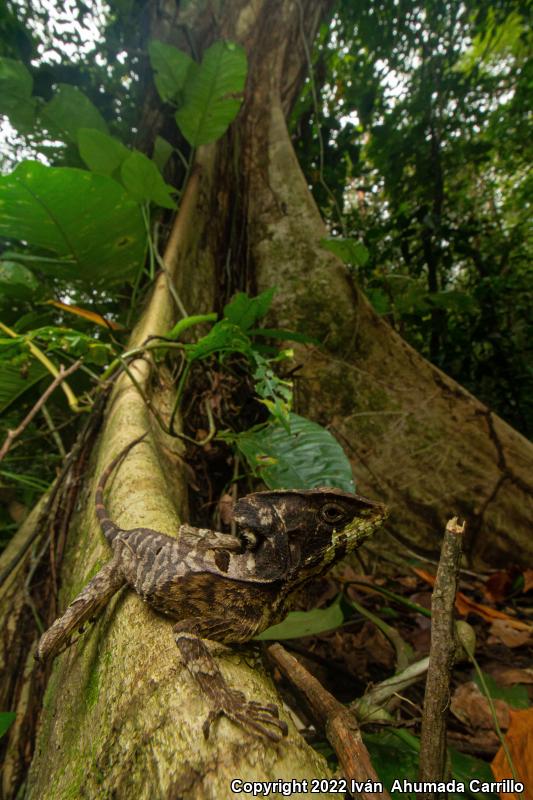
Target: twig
[(441, 658), (340, 725), (12, 435), (53, 431)]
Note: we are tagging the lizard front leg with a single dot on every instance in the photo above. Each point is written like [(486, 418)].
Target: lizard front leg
[(223, 699), (87, 605)]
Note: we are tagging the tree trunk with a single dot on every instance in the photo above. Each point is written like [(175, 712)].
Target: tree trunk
[(121, 718)]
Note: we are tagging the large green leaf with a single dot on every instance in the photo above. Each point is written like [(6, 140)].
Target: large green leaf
[(306, 457), (17, 282), (244, 311), (87, 220), (305, 623), (144, 182), (16, 101), (68, 111), (170, 66), (348, 250), (16, 377), (213, 93), (102, 153), (223, 337)]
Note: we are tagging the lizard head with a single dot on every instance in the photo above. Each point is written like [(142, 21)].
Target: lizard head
[(319, 526)]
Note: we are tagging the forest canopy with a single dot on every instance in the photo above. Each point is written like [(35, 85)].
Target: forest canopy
[(412, 130)]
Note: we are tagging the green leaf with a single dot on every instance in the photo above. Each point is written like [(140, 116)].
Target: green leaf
[(16, 377), (17, 282), (452, 300), (223, 337), (162, 152), (379, 300), (6, 719), (305, 623), (76, 343), (213, 94), (143, 181), (16, 101), (244, 311), (85, 219), (170, 66), (102, 153), (68, 111), (515, 696), (394, 755), (286, 335), (348, 250), (465, 768), (306, 457)]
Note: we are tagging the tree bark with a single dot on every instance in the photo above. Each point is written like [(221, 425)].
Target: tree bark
[(121, 718)]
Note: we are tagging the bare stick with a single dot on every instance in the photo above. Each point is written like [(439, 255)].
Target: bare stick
[(441, 658), (340, 725), (60, 377)]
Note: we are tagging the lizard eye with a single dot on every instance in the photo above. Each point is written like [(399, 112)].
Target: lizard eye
[(332, 513)]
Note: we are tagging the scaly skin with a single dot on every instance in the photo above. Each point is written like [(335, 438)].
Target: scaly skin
[(221, 587)]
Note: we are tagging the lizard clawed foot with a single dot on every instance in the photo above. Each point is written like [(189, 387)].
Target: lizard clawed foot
[(248, 714)]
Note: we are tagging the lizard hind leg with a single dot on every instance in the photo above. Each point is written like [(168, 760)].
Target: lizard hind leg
[(262, 720), (87, 605)]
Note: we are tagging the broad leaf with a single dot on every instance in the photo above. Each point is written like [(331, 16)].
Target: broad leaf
[(16, 377), (17, 282), (86, 219), (143, 181), (102, 153), (68, 111), (170, 66), (244, 311), (515, 696), (306, 457), (305, 623), (213, 94), (222, 338), (16, 101), (162, 152), (348, 250)]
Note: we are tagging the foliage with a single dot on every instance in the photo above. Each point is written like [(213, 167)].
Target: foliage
[(73, 237), (6, 720), (303, 456), (425, 147)]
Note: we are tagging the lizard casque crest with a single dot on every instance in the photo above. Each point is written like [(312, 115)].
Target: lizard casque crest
[(222, 587)]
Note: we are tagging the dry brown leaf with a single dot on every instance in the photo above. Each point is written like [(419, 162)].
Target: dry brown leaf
[(519, 739), (509, 676), (471, 706), (466, 606), (499, 585), (93, 316), (501, 631)]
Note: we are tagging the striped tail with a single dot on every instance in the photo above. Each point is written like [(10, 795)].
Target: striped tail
[(109, 528)]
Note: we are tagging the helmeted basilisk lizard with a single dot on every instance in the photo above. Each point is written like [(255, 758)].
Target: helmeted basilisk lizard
[(223, 587)]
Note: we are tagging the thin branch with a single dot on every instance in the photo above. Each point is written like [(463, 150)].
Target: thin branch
[(441, 657), (60, 377), (340, 725)]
